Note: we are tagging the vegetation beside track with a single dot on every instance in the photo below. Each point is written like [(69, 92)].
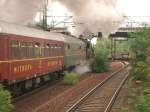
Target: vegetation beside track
[(5, 101), (71, 78), (139, 93), (100, 61), (122, 46)]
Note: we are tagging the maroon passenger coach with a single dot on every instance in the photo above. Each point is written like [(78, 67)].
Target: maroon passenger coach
[(23, 57)]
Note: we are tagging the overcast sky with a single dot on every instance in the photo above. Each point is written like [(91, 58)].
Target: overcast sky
[(136, 8)]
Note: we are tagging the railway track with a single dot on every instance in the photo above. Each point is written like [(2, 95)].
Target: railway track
[(102, 97)]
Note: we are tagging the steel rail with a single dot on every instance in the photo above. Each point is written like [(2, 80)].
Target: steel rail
[(86, 96), (113, 99)]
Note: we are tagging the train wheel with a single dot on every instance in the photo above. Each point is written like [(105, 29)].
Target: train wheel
[(42, 81), (37, 81), (60, 74), (46, 78), (33, 82), (53, 76), (28, 84), (18, 88)]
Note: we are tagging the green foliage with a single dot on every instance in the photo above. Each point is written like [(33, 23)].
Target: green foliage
[(71, 78), (143, 104), (100, 61), (122, 46), (5, 101), (141, 54), (146, 91), (141, 71)]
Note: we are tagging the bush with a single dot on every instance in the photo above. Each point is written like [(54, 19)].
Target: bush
[(71, 78), (5, 101), (100, 62)]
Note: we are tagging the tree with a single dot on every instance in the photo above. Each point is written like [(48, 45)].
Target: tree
[(141, 54), (100, 61)]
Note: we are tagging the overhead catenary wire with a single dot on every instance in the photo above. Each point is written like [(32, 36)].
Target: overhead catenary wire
[(122, 15)]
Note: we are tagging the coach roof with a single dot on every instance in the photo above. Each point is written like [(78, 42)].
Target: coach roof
[(28, 32)]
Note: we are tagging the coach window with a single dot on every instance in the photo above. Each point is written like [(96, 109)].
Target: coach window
[(47, 50), (5, 49), (50, 50), (59, 50), (68, 46), (42, 50), (62, 49), (37, 50), (56, 50), (80, 47), (1, 49), (15, 50), (31, 50), (23, 50)]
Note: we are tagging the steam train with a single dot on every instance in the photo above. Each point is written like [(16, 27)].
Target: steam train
[(29, 56)]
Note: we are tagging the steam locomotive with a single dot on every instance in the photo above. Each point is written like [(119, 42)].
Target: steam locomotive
[(29, 56)]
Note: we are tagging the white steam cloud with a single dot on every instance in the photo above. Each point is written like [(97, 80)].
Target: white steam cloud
[(82, 68), (19, 11), (94, 15), (91, 15)]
